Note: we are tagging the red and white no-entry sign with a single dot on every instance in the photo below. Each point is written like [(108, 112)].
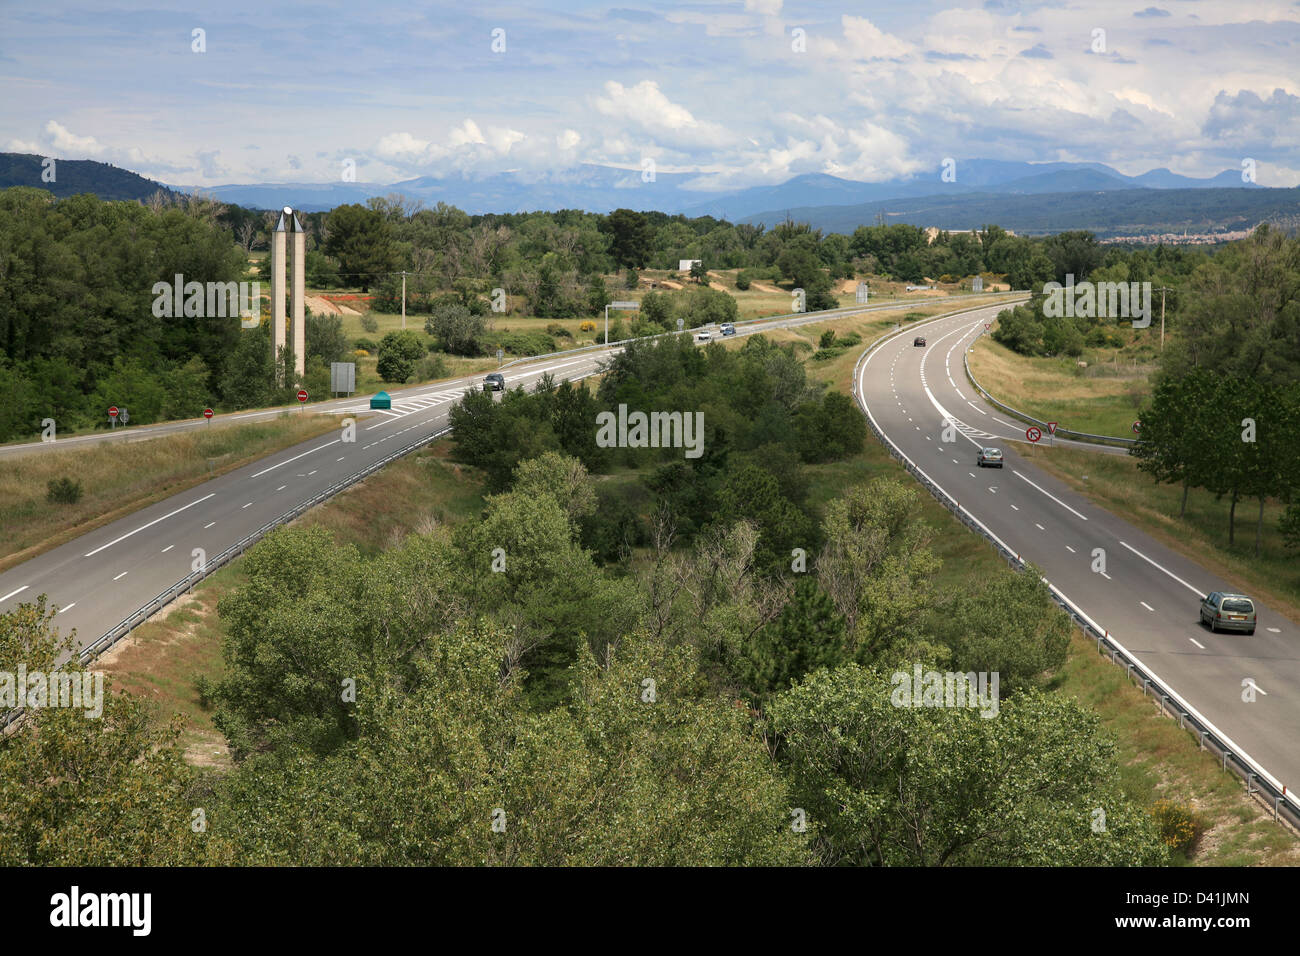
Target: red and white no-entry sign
[(1051, 427), (112, 411), (302, 394), (1033, 433), (207, 413), (1137, 426)]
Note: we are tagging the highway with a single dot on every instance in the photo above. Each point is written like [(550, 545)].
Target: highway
[(99, 579), (1146, 595)]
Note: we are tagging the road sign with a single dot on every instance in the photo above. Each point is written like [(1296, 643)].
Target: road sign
[(112, 411), (124, 416), (1051, 427), (1137, 426), (1033, 433), (302, 394), (207, 413), (501, 354), (987, 326)]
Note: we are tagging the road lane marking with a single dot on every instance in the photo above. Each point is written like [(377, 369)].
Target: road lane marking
[(282, 487), (68, 608), (1146, 605), (1104, 575), (168, 548), (12, 593), (208, 525), (1048, 493), (149, 525), (1014, 508), (1275, 630), (976, 407), (1197, 591), (1197, 643), (312, 472), (1252, 683), (245, 506), (1070, 549), (295, 458), (122, 575), (1039, 526)]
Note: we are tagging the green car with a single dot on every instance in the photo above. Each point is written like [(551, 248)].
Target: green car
[(1228, 612)]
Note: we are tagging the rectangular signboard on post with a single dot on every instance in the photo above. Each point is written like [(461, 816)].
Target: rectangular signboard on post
[(343, 377)]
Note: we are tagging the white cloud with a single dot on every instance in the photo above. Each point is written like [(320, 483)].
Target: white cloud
[(867, 41)]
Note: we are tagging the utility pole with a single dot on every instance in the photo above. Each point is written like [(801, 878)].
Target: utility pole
[(1162, 290), (404, 302)]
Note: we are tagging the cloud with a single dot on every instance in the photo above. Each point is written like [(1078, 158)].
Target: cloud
[(645, 107), (867, 41), (1153, 12), (1038, 52)]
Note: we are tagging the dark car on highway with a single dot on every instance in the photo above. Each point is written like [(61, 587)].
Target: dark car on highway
[(919, 340), (1228, 612), (494, 382)]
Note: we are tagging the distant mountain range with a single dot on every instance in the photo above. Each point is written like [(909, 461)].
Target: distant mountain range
[(1023, 197)]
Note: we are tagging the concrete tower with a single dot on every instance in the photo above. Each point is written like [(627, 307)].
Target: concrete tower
[(289, 222)]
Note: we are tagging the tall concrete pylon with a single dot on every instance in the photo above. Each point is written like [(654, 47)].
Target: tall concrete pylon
[(289, 222)]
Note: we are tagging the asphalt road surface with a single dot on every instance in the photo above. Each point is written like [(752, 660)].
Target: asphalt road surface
[(1147, 596)]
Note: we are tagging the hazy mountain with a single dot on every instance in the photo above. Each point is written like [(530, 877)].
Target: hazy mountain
[(73, 176)]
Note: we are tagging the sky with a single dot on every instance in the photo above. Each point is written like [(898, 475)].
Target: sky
[(739, 93)]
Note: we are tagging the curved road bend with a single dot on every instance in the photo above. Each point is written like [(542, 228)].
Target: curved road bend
[(1147, 595)]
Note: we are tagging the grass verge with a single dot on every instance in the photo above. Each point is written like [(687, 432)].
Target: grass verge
[(118, 478)]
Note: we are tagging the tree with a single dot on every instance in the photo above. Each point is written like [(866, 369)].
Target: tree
[(876, 565), (943, 786), (698, 272), (631, 237), (361, 240), (398, 352), (458, 330)]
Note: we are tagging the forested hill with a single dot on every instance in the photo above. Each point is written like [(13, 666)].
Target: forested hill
[(73, 176)]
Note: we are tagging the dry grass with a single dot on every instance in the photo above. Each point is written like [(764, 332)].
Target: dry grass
[(118, 478), (1100, 399)]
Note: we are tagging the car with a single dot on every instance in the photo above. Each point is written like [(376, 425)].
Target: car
[(728, 328), (1221, 611), (919, 340), (703, 335), (494, 382), (992, 457)]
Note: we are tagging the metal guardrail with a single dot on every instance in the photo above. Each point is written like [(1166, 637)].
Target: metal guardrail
[(1060, 432), (1259, 782)]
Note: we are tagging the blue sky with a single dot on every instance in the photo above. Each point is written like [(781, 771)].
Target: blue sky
[(730, 91)]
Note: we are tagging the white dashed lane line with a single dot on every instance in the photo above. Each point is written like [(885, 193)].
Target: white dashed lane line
[(1146, 605), (1039, 526), (91, 554), (282, 487), (68, 608), (208, 525), (1257, 687), (168, 548), (1197, 591), (1274, 630), (12, 593), (1070, 549), (1197, 643), (242, 507), (1014, 508), (122, 575)]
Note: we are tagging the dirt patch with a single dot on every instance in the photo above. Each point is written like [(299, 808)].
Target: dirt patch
[(323, 306), (764, 287)]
